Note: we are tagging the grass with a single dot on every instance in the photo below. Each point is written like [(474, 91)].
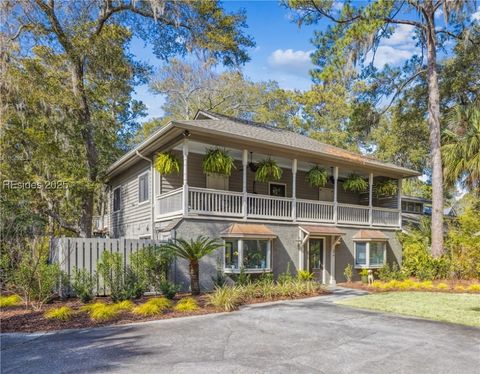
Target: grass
[(7, 301), (187, 304), (152, 307), (447, 307), (63, 313)]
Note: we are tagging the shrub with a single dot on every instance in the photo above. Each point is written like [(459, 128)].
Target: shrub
[(442, 286), (161, 302), (133, 287), (35, 277), (286, 276), (426, 285), (8, 301), (226, 298), (305, 275), (89, 307), (147, 309), (242, 278), (104, 312), (219, 280), (124, 305), (169, 289), (390, 272), (459, 288), (110, 268), (187, 304), (63, 313), (474, 288), (83, 284), (348, 272)]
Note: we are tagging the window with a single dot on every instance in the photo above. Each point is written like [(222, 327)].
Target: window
[(143, 188), (252, 254), (217, 182), (117, 194), (370, 254), (316, 254), (277, 189)]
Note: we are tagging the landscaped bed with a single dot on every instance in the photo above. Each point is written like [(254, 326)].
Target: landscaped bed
[(447, 307), (450, 286), (72, 313)]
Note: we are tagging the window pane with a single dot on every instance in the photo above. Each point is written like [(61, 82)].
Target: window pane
[(143, 188), (316, 254), (116, 199), (360, 253), (231, 255), (255, 254), (376, 253)]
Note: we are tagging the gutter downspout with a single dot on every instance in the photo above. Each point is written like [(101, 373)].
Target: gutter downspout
[(152, 201)]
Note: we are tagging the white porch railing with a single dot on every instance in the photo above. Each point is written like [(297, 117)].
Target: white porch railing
[(215, 202), (271, 207), (385, 217), (355, 214), (170, 203), (208, 202), (315, 211)]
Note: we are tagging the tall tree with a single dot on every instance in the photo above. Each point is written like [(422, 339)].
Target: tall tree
[(359, 29), (78, 33), (190, 86)]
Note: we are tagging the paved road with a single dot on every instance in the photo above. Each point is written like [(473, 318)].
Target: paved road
[(308, 336)]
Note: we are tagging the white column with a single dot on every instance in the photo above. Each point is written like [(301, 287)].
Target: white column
[(335, 196), (332, 261), (185, 177), (244, 189), (399, 202), (294, 189), (324, 261), (370, 199)]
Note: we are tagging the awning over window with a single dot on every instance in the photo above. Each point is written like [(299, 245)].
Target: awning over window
[(370, 235), (242, 230), (313, 230)]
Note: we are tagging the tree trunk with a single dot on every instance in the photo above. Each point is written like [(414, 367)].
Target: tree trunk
[(194, 277), (435, 135)]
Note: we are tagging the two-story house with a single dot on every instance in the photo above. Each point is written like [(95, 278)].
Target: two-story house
[(263, 225)]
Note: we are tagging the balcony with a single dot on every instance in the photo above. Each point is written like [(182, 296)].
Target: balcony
[(229, 204)]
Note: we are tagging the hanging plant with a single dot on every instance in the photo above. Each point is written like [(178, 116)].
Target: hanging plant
[(218, 161), (167, 163), (316, 177), (386, 187), (268, 170), (355, 183)]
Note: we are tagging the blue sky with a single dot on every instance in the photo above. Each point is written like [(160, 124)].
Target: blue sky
[(282, 49)]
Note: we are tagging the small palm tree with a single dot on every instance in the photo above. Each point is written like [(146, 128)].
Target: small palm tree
[(461, 149), (193, 251)]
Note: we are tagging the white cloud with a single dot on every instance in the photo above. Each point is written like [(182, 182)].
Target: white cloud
[(290, 61), (476, 15), (402, 36), (439, 13)]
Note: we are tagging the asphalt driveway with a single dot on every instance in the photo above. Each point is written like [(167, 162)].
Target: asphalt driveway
[(307, 336)]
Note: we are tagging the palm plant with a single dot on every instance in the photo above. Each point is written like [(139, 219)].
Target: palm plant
[(193, 251), (268, 170), (167, 163), (461, 148)]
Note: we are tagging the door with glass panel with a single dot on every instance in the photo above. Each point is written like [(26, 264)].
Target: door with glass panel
[(315, 257)]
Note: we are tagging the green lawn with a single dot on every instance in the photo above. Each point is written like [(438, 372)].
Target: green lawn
[(448, 307)]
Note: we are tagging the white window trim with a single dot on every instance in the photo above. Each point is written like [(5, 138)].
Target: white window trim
[(146, 236), (148, 188), (278, 183), (268, 267), (113, 199), (367, 254)]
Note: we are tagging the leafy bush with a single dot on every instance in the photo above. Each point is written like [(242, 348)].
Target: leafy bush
[(35, 277), (286, 276), (348, 272), (63, 313), (387, 273), (169, 289), (167, 163), (226, 298), (8, 301), (219, 280), (187, 304), (83, 284), (305, 275), (242, 279), (152, 265), (133, 287)]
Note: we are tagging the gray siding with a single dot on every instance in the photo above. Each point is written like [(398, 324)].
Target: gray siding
[(134, 219)]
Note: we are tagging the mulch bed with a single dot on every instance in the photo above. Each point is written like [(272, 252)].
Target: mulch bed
[(451, 283), (19, 319)]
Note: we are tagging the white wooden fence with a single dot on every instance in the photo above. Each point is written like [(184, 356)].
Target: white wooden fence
[(84, 253)]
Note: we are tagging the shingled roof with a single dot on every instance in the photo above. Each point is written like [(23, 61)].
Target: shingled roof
[(212, 124)]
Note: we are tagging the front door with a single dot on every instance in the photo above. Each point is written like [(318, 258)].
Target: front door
[(315, 257)]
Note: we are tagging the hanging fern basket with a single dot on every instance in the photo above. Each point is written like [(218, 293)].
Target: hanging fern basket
[(218, 161), (167, 163), (385, 188), (316, 177), (268, 170), (355, 183)]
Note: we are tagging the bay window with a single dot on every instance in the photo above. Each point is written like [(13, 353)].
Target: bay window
[(253, 255), (370, 254)]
